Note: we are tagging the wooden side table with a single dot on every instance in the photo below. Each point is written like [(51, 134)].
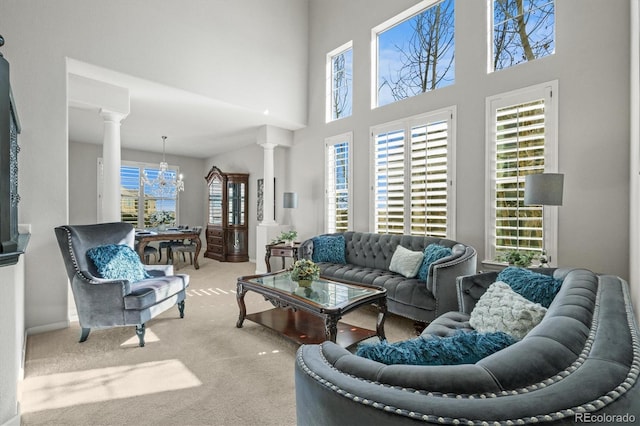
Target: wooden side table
[(282, 250)]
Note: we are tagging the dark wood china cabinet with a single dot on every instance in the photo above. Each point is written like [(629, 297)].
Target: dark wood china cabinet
[(228, 224)]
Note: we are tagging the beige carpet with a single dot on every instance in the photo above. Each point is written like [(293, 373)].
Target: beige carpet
[(200, 370)]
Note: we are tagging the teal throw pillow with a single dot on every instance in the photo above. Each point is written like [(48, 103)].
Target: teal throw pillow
[(463, 347), (533, 286), (117, 262), (432, 253), (329, 248)]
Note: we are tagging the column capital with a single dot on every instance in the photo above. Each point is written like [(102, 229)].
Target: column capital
[(108, 115), (267, 145)]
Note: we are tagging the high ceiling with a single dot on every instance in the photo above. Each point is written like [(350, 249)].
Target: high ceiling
[(195, 125)]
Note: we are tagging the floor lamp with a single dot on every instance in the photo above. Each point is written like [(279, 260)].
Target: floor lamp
[(543, 189)]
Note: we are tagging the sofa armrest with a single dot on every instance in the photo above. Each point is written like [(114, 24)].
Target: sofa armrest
[(471, 287), (442, 281), (305, 251), (99, 298), (84, 281), (159, 270)]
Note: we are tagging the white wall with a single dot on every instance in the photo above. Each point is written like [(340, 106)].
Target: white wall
[(83, 177), (591, 64), (12, 338), (593, 157), (211, 47), (250, 160), (634, 194)]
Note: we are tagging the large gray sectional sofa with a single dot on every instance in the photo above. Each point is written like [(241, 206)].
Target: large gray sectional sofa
[(580, 364), (368, 256)]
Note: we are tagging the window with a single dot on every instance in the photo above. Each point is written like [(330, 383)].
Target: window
[(413, 52), (413, 175), (338, 182), (152, 198), (340, 82), (523, 30), (521, 141)]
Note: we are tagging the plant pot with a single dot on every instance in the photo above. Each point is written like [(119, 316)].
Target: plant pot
[(305, 283)]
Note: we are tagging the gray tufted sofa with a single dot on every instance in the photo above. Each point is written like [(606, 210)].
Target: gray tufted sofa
[(579, 365), (368, 256)]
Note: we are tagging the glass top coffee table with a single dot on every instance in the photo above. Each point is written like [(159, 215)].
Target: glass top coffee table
[(312, 314)]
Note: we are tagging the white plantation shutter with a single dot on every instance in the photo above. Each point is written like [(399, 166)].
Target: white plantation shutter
[(338, 182), (429, 178), (137, 200), (522, 142), (519, 152), (413, 176), (389, 182), (130, 194)]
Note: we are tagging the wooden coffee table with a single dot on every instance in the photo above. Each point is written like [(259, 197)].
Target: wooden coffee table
[(312, 314)]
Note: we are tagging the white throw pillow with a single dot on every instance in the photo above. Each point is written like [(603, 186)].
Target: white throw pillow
[(406, 262), (502, 309)]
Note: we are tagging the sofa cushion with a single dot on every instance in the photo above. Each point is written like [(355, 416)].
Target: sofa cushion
[(536, 287), (432, 252), (500, 308), (151, 292), (406, 262), (328, 248), (461, 348), (117, 262)]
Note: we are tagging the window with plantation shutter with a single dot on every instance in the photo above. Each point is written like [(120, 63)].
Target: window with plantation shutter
[(522, 141), (429, 178), (413, 176), (139, 201), (389, 182), (130, 193), (338, 182), (159, 198)]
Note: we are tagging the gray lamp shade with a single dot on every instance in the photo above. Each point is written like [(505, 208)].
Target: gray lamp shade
[(290, 200), (543, 189)]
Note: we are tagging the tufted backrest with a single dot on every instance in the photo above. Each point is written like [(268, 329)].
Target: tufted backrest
[(376, 250), (588, 331), (557, 341), (75, 240)]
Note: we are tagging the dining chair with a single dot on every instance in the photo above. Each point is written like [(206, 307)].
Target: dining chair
[(182, 248)]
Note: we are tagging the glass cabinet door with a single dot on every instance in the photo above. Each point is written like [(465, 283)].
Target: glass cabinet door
[(236, 195), (236, 241), (215, 202)]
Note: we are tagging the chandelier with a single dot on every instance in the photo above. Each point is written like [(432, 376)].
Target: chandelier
[(166, 179)]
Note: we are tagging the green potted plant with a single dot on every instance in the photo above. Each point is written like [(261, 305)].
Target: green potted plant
[(518, 258), (304, 271), (288, 236)]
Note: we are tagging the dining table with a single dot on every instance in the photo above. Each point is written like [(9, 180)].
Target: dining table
[(144, 237)]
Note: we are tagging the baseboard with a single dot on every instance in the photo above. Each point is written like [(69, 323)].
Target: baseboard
[(23, 356), (47, 327), (15, 420)]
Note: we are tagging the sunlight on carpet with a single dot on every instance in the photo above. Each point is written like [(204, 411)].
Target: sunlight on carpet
[(103, 384), (149, 337)]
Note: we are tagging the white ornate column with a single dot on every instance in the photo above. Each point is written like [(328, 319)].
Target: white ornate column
[(268, 212), (110, 202), (268, 228), (113, 104), (269, 137)]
